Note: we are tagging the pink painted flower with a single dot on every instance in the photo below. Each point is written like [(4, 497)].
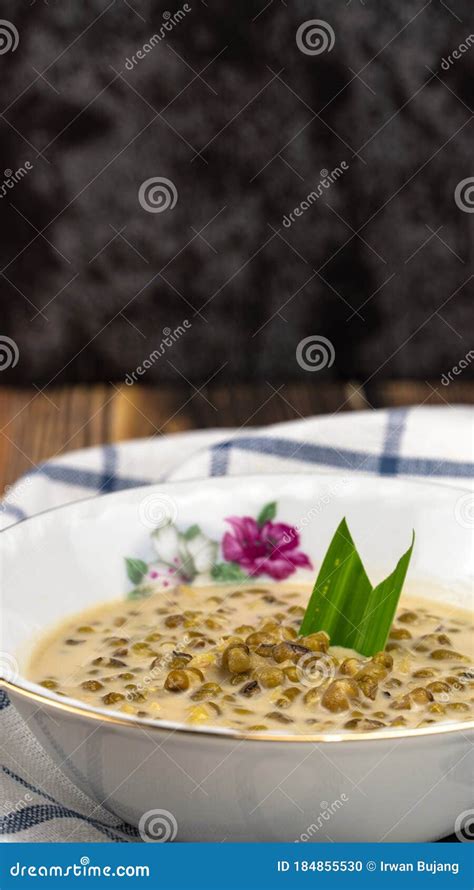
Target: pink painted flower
[(271, 548)]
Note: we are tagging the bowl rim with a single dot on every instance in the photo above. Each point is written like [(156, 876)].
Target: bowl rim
[(168, 483), (76, 708)]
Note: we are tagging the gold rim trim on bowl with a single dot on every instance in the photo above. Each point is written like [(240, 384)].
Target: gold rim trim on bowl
[(328, 738)]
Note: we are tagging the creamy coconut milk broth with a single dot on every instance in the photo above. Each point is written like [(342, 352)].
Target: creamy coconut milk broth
[(231, 657)]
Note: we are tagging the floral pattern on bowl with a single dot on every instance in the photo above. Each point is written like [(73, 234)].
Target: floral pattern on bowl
[(251, 548)]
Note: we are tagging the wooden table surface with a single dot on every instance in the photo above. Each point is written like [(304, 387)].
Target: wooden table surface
[(35, 425)]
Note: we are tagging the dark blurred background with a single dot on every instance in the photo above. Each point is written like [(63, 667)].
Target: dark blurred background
[(242, 122)]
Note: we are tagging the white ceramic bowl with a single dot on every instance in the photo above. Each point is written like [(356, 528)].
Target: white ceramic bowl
[(393, 785)]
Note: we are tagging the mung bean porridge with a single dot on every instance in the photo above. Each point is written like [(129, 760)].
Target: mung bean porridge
[(232, 657)]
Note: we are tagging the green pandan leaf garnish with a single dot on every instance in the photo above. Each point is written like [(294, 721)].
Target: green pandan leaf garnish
[(136, 569), (344, 603)]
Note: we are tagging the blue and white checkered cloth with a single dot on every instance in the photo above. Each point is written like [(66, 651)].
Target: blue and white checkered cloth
[(38, 803)]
